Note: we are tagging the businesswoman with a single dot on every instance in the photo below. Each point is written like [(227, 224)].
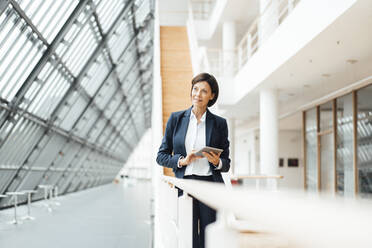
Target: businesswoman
[(188, 131)]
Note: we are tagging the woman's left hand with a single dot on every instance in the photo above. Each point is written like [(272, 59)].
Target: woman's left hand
[(212, 157)]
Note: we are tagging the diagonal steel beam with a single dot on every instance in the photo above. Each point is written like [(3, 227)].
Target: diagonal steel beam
[(93, 57), (22, 14), (3, 5), (44, 59), (134, 26), (49, 52), (110, 56)]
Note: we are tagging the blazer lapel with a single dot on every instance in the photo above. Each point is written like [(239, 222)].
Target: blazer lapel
[(209, 127), (183, 128)]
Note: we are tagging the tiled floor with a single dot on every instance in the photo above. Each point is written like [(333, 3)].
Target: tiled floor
[(110, 216)]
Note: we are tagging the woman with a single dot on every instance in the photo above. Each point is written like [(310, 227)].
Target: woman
[(188, 131)]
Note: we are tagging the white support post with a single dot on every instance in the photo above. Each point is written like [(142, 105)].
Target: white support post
[(228, 43), (219, 235), (185, 221), (290, 6), (249, 46), (269, 132)]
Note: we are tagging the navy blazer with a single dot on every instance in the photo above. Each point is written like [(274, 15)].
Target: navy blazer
[(173, 143)]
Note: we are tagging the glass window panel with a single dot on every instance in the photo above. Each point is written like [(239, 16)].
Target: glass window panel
[(81, 43), (142, 11), (65, 155), (25, 136), (106, 93), (364, 127), (119, 40), (345, 171), (15, 184), (19, 53), (114, 104), (97, 129), (118, 115), (108, 11), (311, 151), (5, 177), (75, 110), (327, 163), (54, 87), (95, 76), (86, 122), (48, 152), (48, 16), (31, 180), (326, 116)]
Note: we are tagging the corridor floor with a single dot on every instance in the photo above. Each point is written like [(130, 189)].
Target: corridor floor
[(110, 216)]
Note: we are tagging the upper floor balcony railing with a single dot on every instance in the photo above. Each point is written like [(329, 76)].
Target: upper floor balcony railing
[(274, 15), (260, 29), (202, 9)]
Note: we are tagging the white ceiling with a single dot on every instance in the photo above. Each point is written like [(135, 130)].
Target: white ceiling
[(242, 12), (338, 57), (173, 12)]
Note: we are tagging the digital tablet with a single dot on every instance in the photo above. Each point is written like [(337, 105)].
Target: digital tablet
[(208, 149)]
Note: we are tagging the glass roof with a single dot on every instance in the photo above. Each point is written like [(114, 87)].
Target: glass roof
[(75, 90)]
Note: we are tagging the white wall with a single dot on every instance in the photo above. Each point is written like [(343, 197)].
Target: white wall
[(140, 160), (290, 146), (247, 156)]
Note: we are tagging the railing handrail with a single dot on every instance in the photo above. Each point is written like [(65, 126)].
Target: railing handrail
[(308, 220), (257, 176), (251, 41)]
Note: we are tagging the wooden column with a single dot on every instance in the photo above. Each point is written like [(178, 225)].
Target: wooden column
[(176, 72)]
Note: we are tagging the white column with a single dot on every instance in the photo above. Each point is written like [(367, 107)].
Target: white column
[(269, 131), (157, 133), (228, 45)]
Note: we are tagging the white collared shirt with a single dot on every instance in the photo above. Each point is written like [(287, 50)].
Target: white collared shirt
[(196, 140)]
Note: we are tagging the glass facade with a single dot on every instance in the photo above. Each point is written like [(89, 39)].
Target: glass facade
[(364, 147), (326, 147), (75, 90), (311, 151), (338, 142), (344, 165)]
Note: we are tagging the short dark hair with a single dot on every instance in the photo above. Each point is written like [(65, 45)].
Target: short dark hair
[(211, 80)]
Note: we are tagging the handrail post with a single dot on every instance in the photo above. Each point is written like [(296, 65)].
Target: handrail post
[(219, 235), (290, 6), (249, 46), (185, 221)]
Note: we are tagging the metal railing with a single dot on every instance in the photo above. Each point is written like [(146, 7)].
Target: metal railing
[(261, 28), (274, 14), (202, 9)]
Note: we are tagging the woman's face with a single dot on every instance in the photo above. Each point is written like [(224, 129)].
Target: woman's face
[(201, 94)]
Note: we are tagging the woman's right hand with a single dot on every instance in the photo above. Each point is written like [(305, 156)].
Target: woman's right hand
[(191, 157)]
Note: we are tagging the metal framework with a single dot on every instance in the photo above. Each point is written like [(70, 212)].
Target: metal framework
[(75, 90)]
